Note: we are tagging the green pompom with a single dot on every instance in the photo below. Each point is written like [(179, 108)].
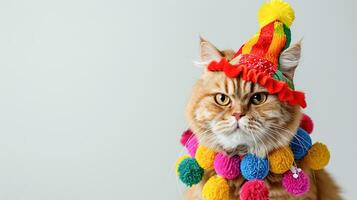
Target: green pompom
[(190, 173)]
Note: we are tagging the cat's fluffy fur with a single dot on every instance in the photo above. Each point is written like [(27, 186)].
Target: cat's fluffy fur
[(260, 129)]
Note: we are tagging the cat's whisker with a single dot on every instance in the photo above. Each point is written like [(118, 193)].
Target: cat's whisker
[(299, 138)]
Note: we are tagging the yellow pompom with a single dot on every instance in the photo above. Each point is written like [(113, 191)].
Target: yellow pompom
[(318, 156), (205, 157), (216, 188), (280, 160), (181, 158), (276, 10)]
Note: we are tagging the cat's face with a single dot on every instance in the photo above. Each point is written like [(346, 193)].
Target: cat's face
[(236, 116)]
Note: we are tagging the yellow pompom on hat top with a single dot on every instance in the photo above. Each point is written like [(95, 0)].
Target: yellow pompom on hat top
[(276, 10)]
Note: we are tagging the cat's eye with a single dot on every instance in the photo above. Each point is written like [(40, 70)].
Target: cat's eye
[(259, 98), (222, 99)]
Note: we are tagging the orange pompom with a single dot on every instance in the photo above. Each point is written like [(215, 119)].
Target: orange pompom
[(318, 156), (280, 160)]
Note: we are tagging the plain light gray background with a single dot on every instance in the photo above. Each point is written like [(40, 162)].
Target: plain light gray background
[(92, 92)]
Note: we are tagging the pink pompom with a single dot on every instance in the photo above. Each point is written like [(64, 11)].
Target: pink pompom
[(192, 145), (307, 124), (189, 140), (254, 190), (297, 185), (186, 136), (226, 166)]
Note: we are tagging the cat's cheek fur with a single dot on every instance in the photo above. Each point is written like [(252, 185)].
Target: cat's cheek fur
[(223, 126), (202, 113), (230, 133)]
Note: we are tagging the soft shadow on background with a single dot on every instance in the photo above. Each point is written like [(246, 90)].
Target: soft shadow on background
[(92, 93)]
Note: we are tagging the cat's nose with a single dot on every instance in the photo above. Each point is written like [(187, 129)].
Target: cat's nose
[(238, 115)]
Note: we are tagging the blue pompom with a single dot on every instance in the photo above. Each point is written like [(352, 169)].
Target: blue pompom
[(300, 144), (190, 172), (253, 167)]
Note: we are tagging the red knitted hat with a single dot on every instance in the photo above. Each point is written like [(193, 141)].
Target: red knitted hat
[(258, 59)]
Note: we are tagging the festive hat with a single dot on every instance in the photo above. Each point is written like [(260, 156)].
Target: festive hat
[(258, 59)]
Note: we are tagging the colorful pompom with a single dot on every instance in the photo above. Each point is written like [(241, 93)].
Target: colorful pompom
[(216, 188), (280, 160), (178, 162), (227, 166), (297, 184), (276, 10), (186, 136), (192, 145), (300, 144), (189, 172), (307, 124), (253, 167), (205, 157), (318, 156), (254, 190)]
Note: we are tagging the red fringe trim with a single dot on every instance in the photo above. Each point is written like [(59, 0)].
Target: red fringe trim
[(272, 85)]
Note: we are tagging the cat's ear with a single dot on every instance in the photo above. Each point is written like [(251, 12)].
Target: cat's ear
[(208, 52), (289, 60)]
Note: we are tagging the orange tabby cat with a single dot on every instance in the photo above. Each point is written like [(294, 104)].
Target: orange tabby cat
[(220, 104)]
